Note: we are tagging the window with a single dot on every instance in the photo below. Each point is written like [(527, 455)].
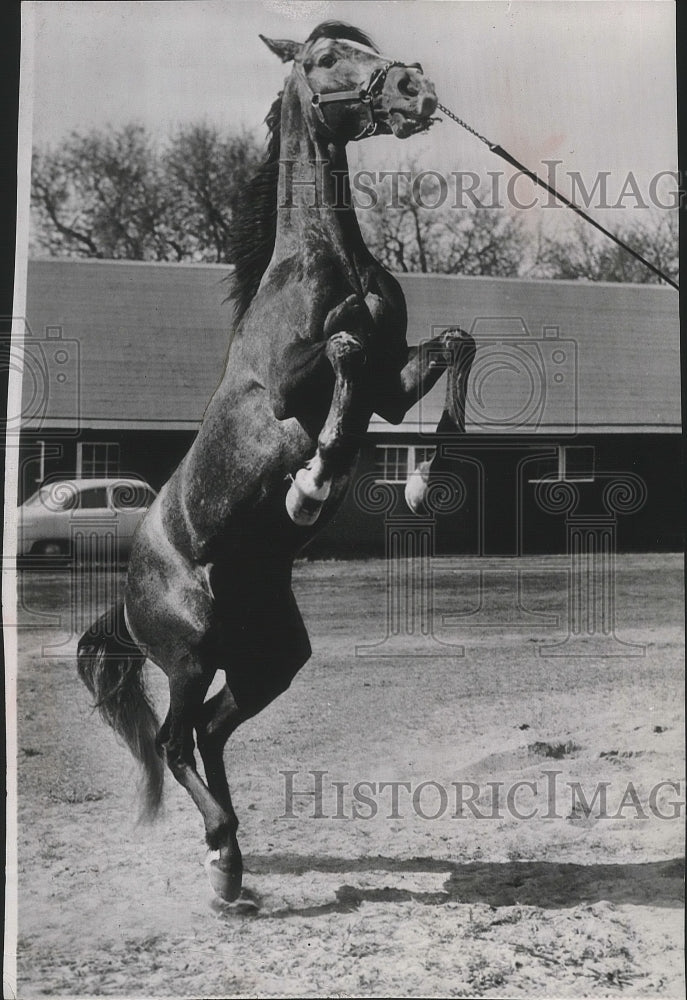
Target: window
[(393, 463), (93, 498), (423, 454), (97, 458), (578, 464), (571, 464)]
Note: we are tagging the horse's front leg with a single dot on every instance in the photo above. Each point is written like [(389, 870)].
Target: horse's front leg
[(462, 349), (336, 443), (453, 350)]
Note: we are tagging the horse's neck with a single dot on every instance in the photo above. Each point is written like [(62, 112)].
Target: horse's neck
[(314, 191)]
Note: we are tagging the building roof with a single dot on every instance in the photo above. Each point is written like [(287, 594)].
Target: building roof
[(120, 344)]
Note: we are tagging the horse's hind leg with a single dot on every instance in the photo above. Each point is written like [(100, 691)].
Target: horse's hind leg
[(311, 485), (267, 644), (217, 720), (188, 685)]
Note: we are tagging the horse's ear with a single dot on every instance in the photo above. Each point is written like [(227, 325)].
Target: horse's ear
[(282, 47)]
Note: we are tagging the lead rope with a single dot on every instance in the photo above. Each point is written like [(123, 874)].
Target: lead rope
[(505, 155)]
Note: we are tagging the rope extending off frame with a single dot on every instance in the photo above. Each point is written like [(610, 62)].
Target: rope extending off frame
[(509, 158)]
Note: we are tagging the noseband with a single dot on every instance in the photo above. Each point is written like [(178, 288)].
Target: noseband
[(364, 95)]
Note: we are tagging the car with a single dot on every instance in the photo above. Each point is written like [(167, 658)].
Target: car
[(83, 518)]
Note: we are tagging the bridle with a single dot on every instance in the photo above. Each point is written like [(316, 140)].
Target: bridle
[(365, 94)]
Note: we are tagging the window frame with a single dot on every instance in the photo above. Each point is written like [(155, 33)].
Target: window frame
[(562, 475), (93, 489), (415, 455), (110, 471)]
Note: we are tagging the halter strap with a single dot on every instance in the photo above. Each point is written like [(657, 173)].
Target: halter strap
[(357, 45), (365, 93)]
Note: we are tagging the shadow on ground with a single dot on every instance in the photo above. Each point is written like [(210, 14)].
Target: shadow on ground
[(546, 884)]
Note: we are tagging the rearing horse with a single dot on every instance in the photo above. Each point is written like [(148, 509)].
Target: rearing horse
[(319, 345)]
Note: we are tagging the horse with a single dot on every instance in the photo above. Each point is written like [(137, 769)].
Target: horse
[(319, 345)]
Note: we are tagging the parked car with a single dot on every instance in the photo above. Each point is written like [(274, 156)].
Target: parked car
[(83, 518)]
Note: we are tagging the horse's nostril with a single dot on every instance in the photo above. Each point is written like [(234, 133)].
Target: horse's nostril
[(428, 105), (408, 87)]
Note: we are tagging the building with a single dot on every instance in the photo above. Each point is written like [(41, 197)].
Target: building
[(573, 383)]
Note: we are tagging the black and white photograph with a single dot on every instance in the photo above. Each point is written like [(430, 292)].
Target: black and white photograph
[(343, 589)]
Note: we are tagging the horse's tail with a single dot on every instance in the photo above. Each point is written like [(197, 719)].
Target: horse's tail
[(111, 666)]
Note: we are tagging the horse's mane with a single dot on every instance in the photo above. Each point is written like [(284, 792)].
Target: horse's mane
[(254, 226)]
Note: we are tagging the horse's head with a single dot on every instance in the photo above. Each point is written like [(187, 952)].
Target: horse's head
[(351, 90)]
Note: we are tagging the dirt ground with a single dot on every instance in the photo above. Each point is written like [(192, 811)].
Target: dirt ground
[(520, 892)]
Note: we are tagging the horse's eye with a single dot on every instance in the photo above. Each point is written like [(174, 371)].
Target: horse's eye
[(328, 60)]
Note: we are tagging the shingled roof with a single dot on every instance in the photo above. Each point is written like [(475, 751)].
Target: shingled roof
[(146, 345)]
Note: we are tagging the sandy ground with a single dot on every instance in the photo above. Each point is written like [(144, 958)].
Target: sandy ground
[(520, 892)]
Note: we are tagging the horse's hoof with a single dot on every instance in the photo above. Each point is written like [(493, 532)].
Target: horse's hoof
[(346, 352), (226, 884), (417, 488), (247, 905), (457, 344), (304, 501), (454, 335)]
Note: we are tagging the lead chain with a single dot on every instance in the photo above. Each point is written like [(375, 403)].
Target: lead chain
[(468, 128)]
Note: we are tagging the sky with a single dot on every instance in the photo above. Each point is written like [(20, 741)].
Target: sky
[(588, 83)]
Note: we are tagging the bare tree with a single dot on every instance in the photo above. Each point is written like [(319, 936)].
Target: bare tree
[(420, 231), (99, 195), (204, 174), (482, 241), (119, 194), (587, 254), (116, 194)]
